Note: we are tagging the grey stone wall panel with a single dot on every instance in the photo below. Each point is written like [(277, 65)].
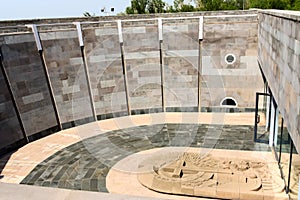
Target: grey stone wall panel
[(10, 131), (67, 77), (105, 69), (180, 48), (141, 47), (25, 72)]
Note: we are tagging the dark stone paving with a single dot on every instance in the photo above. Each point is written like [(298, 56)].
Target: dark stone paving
[(84, 165)]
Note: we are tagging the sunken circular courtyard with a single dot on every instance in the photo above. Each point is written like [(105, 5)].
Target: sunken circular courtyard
[(170, 106), (85, 165)]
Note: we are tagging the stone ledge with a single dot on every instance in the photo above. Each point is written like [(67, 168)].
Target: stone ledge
[(287, 14), (18, 192)]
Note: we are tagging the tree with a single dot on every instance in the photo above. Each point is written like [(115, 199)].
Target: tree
[(159, 6), (146, 6), (210, 5), (229, 5), (129, 10), (156, 6), (279, 4), (242, 4), (296, 5), (137, 7), (171, 9), (263, 4), (178, 4), (187, 8), (271, 4)]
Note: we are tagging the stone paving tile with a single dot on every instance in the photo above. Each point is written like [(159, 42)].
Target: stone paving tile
[(85, 164)]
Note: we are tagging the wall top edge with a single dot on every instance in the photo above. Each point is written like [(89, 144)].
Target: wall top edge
[(6, 23), (287, 14)]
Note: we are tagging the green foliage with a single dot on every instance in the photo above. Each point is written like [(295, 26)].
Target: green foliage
[(137, 7), (229, 5), (171, 9), (263, 4), (146, 6), (212, 5), (180, 6), (187, 8), (295, 5), (246, 4), (279, 4), (242, 4), (129, 10), (159, 6), (271, 4), (156, 6)]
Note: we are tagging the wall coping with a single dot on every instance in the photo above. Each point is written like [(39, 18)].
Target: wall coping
[(287, 14), (121, 17)]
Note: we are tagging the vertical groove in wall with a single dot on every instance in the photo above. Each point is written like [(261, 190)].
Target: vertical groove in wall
[(50, 89), (124, 66), (162, 75), (199, 75), (13, 98), (125, 78)]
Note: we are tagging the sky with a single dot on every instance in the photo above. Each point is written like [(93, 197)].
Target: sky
[(33, 9)]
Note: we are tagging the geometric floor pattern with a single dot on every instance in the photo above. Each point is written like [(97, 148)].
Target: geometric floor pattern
[(84, 165)]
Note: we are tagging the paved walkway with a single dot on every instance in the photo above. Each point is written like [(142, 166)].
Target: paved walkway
[(20, 192), (166, 129)]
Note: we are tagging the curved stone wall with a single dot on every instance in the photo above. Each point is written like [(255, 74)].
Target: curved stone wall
[(126, 68), (104, 60), (10, 129)]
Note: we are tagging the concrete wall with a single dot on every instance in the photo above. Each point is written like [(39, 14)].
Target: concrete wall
[(224, 33), (279, 57)]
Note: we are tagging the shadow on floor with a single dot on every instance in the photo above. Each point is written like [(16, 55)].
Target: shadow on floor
[(3, 161)]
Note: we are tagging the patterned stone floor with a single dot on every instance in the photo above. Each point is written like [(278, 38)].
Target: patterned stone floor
[(84, 165)]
